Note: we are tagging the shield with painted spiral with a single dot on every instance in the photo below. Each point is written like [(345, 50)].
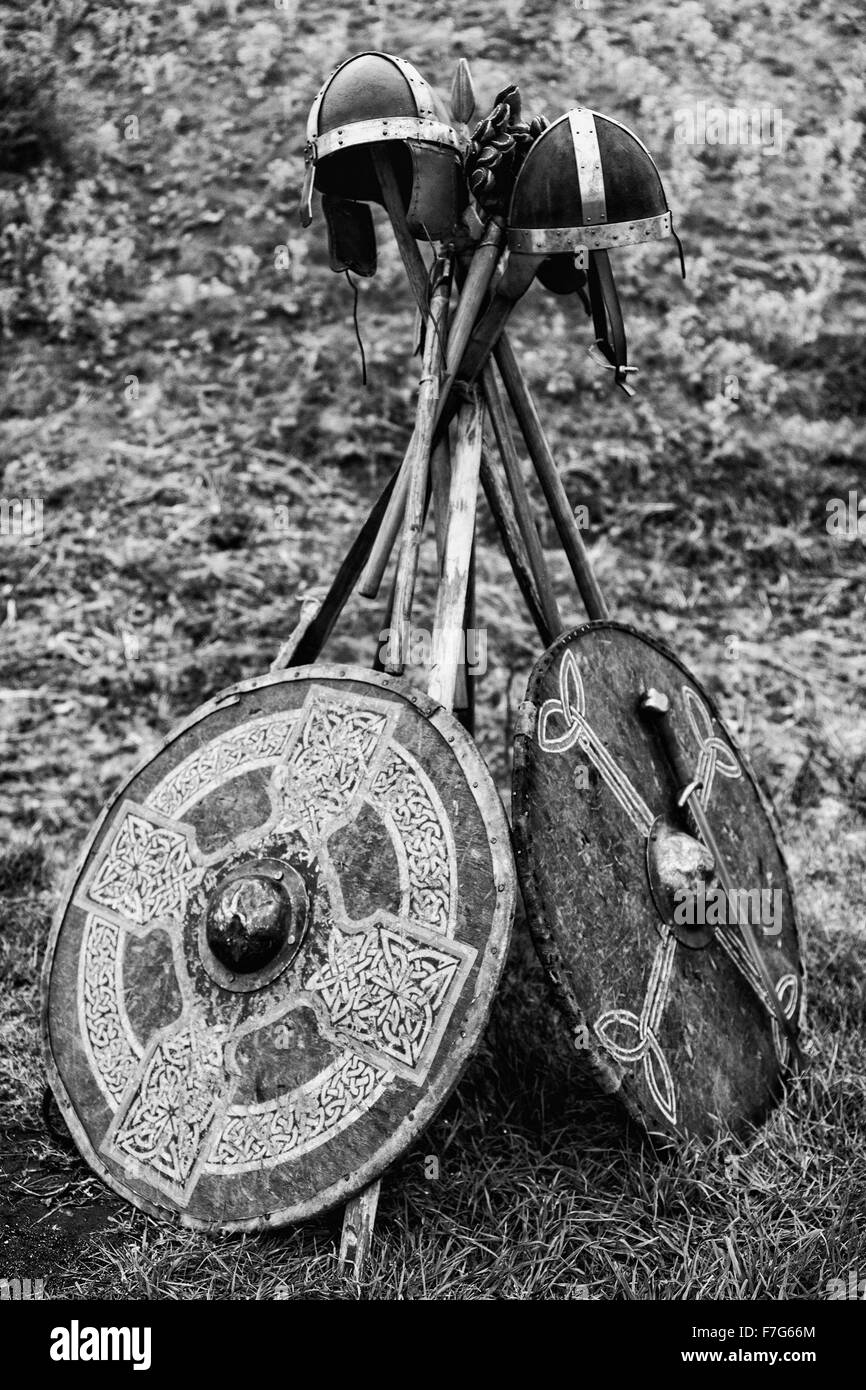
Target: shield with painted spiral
[(640, 927), (278, 949)]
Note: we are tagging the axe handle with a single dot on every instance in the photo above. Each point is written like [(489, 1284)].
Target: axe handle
[(545, 467), (522, 505)]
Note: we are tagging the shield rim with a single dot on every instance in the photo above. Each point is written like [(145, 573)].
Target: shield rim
[(607, 1074), (503, 875)]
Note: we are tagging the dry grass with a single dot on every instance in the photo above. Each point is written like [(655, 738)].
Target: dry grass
[(186, 509)]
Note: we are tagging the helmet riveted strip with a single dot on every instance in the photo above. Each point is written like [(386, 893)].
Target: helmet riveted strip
[(587, 156), (318, 147), (534, 241), (419, 87), (383, 128)]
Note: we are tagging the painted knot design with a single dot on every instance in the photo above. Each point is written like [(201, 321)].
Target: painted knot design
[(387, 991), (146, 873)]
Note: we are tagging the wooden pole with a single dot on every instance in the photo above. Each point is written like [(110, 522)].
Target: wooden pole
[(502, 509), (360, 1212), (545, 466), (417, 466), (464, 688), (440, 475), (448, 632), (387, 626), (441, 488), (487, 256), (481, 267), (318, 631), (417, 274), (411, 257), (523, 508), (359, 1218)]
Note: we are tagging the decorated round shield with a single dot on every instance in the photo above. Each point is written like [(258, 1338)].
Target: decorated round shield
[(279, 948), (644, 931)]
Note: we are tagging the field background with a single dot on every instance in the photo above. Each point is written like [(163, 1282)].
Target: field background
[(194, 420)]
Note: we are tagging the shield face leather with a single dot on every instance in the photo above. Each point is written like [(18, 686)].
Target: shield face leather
[(279, 949), (608, 862)]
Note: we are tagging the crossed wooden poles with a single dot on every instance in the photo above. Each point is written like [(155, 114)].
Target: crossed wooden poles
[(455, 385), (459, 383)]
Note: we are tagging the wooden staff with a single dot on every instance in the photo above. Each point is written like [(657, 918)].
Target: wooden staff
[(406, 243), (545, 467), (471, 298), (417, 466), (387, 626), (315, 633), (440, 478), (485, 258), (464, 686), (502, 510), (457, 551), (416, 271), (523, 508)]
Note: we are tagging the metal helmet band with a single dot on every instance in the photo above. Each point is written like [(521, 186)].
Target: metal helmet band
[(588, 184), (376, 99)]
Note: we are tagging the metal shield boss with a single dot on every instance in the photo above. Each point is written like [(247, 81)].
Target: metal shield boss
[(644, 948), (279, 949)]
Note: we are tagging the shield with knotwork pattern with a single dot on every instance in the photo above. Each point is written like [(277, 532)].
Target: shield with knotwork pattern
[(640, 925), (279, 949)]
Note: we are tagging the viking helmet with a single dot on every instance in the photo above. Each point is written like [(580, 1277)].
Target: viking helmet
[(587, 184), (374, 99)]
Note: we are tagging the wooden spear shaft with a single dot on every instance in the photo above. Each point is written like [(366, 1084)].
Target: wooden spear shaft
[(551, 483), (448, 633), (523, 509), (418, 468), (502, 510), (416, 271)]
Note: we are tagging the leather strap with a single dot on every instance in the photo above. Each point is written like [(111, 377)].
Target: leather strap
[(607, 320)]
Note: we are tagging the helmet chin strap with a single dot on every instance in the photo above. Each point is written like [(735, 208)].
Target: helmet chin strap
[(608, 327)]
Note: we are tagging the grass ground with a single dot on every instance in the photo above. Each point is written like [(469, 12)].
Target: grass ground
[(192, 418)]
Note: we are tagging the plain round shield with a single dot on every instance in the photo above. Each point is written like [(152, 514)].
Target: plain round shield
[(279, 949), (670, 1011)]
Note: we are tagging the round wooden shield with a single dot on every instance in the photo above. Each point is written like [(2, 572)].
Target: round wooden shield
[(671, 1012), (279, 948)]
